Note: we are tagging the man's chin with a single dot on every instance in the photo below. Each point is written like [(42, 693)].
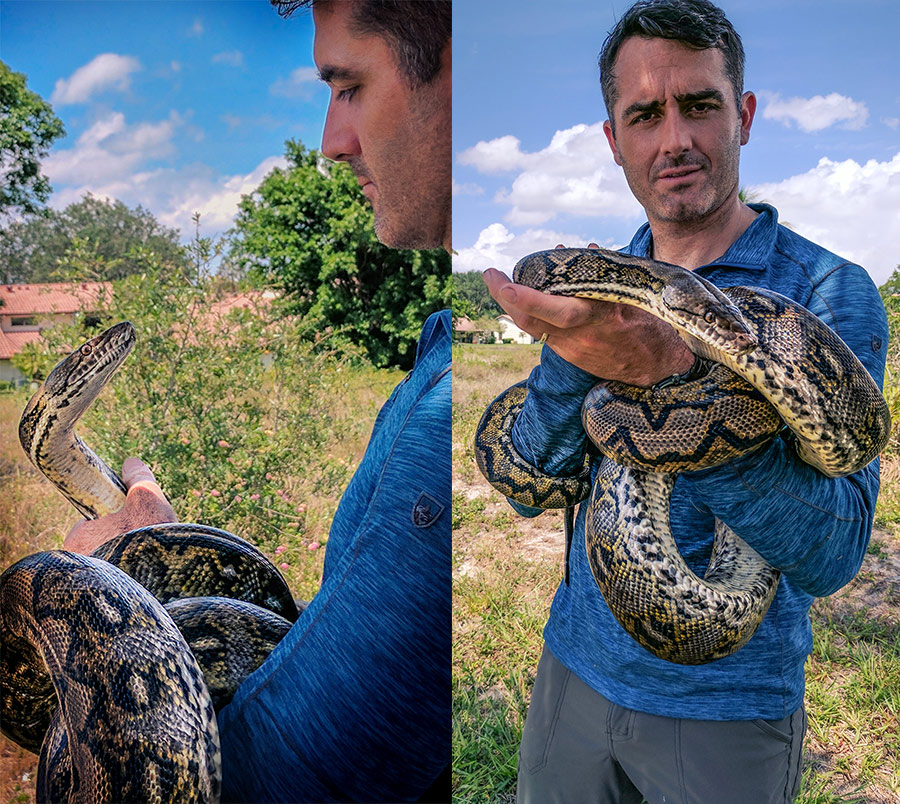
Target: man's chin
[(394, 236)]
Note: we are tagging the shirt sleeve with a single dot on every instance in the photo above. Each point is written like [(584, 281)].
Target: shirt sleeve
[(548, 432), (354, 703), (815, 529)]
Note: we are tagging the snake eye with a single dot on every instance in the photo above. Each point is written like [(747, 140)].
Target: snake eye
[(86, 349), (710, 317)]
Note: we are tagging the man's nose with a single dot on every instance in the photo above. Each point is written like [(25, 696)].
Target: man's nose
[(676, 138), (339, 140)]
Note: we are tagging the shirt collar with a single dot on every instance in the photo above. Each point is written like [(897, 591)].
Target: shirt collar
[(751, 251)]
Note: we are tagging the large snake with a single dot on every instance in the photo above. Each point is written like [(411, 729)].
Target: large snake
[(775, 364), (112, 666)]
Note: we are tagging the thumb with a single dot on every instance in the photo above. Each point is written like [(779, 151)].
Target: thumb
[(136, 473)]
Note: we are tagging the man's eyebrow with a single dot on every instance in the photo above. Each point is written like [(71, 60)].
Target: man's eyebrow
[(702, 95), (639, 107), (330, 73)]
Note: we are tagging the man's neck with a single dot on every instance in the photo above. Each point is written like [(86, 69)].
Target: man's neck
[(691, 245)]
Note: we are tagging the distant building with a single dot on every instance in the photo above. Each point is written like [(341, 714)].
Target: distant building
[(465, 331), (25, 310), (509, 330)]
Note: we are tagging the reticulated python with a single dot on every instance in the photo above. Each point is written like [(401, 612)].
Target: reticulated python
[(112, 666), (776, 364)]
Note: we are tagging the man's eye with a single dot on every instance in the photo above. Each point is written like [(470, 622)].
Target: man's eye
[(645, 117), (346, 94)]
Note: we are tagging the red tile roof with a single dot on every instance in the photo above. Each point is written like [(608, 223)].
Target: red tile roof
[(11, 343), (53, 297)]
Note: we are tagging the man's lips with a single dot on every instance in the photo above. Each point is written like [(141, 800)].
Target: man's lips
[(366, 186), (678, 173)]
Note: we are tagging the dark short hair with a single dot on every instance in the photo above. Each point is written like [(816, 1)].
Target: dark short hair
[(417, 32), (696, 23)]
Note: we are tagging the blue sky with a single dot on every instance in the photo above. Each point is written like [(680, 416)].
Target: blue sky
[(532, 167), (178, 106), (184, 106)]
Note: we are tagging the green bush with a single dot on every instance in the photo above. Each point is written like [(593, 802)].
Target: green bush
[(227, 408)]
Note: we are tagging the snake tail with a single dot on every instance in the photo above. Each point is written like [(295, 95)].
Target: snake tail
[(145, 728), (46, 427)]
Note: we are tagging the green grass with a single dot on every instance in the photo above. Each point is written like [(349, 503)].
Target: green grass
[(506, 570)]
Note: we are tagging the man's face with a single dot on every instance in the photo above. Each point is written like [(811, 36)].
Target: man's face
[(678, 131), (396, 139)]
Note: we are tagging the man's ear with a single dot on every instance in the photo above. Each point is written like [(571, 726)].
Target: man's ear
[(611, 139), (748, 109)]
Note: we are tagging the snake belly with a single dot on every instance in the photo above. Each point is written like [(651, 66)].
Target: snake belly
[(199, 609), (775, 365)]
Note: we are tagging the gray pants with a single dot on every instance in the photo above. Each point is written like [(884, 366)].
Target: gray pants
[(579, 748)]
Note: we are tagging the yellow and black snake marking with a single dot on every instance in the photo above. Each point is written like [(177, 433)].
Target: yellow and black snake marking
[(113, 665), (775, 365), (45, 429), (135, 718)]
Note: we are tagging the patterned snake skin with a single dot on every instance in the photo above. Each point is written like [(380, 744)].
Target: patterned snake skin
[(113, 666), (775, 365)]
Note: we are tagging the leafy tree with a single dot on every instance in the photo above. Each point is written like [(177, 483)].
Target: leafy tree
[(309, 231), (27, 128), (91, 239), (471, 294)]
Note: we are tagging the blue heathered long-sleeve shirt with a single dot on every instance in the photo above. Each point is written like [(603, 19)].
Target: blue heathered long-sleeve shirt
[(813, 528), (354, 703)]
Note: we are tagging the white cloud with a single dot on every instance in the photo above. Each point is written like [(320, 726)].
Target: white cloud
[(111, 148), (575, 175), (197, 28), (301, 83), (816, 113), (173, 195), (215, 198), (850, 209), (495, 156), (891, 122), (497, 247), (106, 71), (114, 159), (468, 188), (233, 58)]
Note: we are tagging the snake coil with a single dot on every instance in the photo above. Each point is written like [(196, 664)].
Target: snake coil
[(775, 365), (113, 666)]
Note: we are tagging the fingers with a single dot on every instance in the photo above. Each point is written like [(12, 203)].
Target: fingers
[(540, 313)]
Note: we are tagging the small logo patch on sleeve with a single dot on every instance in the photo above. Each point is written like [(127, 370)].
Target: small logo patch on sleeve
[(425, 510), (876, 343)]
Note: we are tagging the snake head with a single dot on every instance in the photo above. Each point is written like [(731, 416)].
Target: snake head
[(706, 314), (85, 371)]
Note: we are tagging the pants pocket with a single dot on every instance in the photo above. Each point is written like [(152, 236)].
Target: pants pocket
[(543, 714)]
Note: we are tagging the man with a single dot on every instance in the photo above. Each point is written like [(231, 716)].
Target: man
[(354, 703), (608, 721)]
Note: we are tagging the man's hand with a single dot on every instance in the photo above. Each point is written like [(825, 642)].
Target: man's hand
[(145, 504), (608, 340)]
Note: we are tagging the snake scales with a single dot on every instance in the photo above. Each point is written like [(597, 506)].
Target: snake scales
[(112, 666), (775, 364)]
